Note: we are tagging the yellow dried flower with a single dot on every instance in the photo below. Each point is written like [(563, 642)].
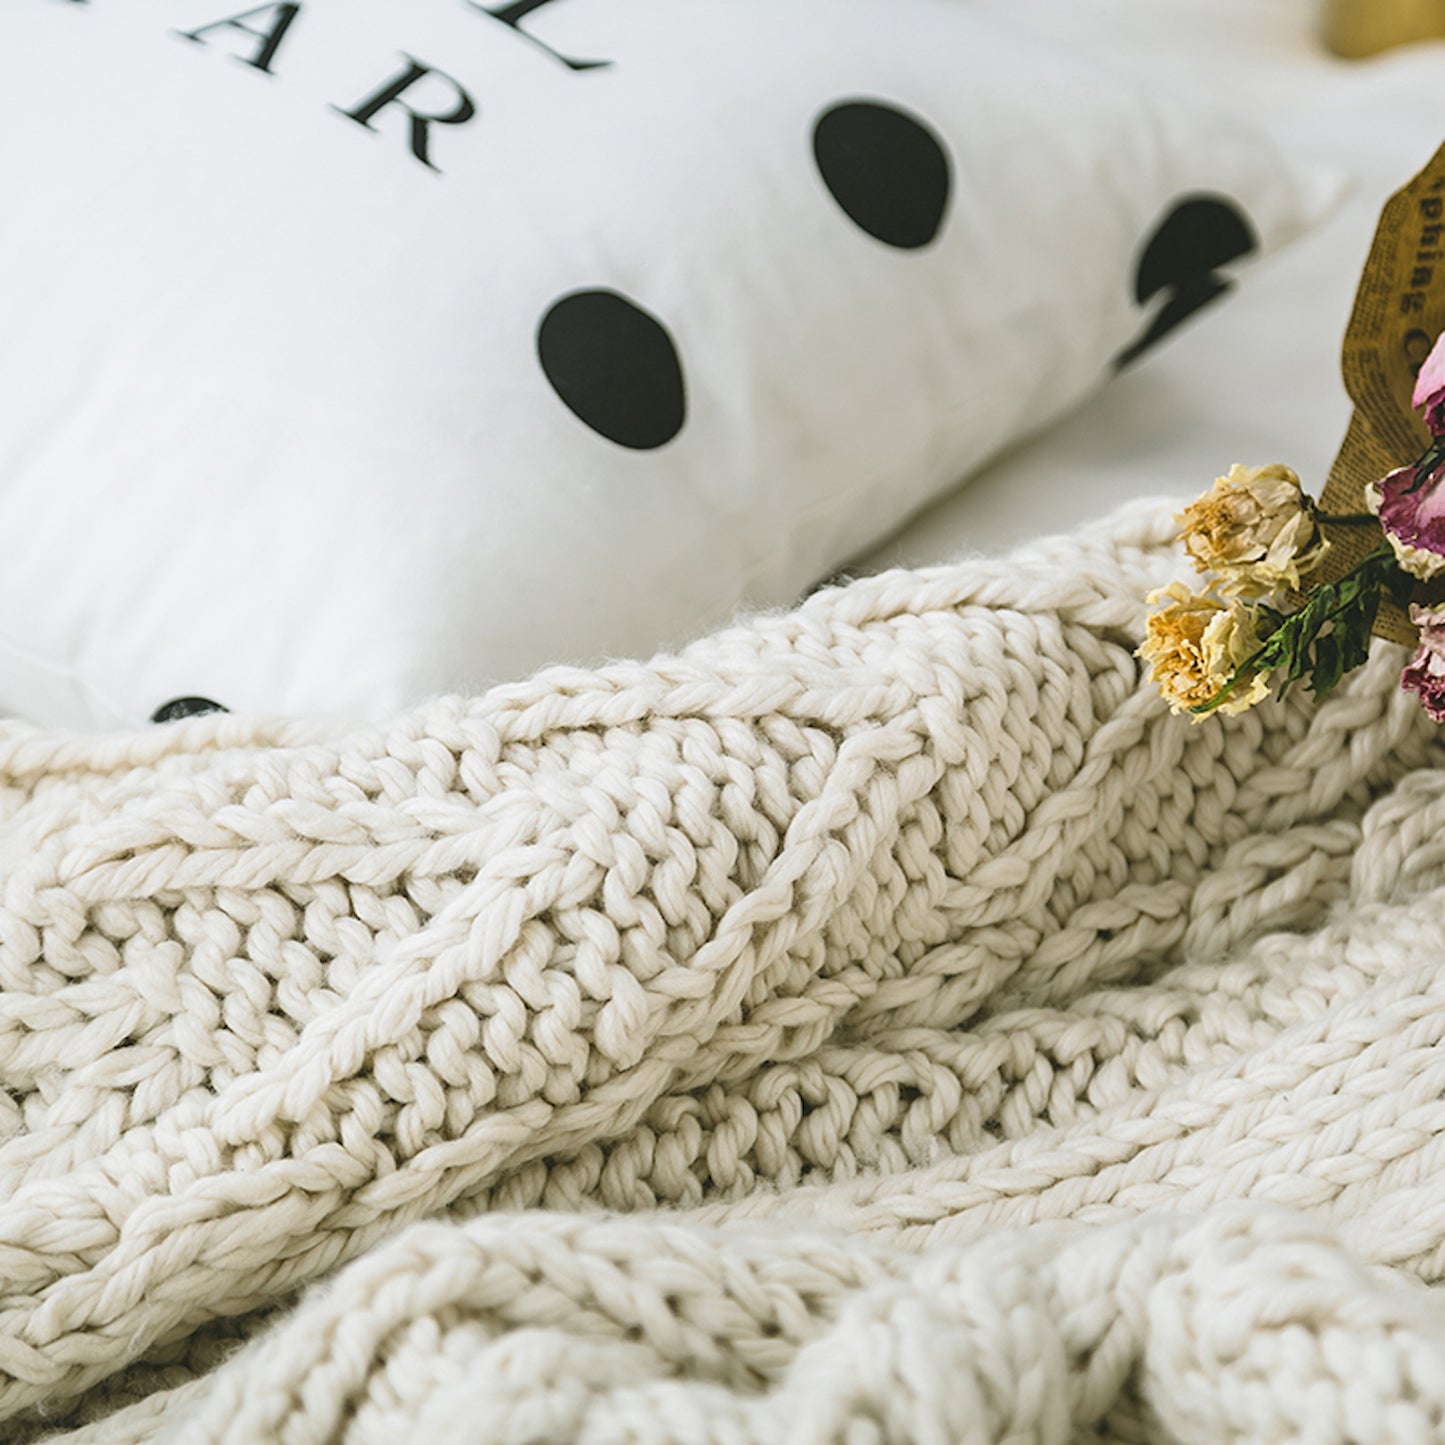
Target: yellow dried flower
[(1255, 530), (1196, 644)]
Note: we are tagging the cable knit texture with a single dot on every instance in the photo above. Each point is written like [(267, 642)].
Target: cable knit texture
[(880, 1023)]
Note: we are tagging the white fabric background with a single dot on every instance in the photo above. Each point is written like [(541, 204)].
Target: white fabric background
[(1257, 379), (274, 433)]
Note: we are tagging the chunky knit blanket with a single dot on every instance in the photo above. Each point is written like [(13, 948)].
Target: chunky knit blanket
[(880, 1023)]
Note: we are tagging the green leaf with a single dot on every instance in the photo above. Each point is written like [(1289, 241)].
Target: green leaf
[(1328, 637), (1356, 629), (1329, 665)]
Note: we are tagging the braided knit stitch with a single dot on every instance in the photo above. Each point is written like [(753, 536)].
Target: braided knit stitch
[(877, 1024)]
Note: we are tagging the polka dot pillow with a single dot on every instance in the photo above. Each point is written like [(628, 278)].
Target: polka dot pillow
[(357, 350)]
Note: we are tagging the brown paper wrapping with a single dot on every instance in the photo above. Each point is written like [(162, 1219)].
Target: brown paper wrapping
[(1399, 311)]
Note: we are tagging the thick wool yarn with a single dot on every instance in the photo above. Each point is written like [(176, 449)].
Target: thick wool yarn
[(882, 1022)]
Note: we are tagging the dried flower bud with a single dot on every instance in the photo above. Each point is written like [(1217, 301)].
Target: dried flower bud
[(1196, 645), (1426, 673), (1255, 530)]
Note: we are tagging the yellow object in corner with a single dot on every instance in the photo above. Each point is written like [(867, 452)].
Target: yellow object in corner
[(1355, 28)]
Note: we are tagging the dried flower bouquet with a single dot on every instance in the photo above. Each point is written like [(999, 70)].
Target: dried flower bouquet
[(1257, 536)]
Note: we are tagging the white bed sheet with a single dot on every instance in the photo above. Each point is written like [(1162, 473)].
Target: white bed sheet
[(1254, 378)]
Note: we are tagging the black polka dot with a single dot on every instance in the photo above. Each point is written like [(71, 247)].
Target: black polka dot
[(615, 367), (886, 169), (179, 707), (1181, 260)]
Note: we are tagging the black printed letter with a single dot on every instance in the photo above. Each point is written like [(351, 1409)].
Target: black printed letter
[(270, 36), (513, 15), (391, 93)]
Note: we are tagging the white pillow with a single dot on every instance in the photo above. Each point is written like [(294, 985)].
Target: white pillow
[(309, 403)]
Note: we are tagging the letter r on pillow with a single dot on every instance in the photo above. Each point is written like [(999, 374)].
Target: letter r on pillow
[(391, 94)]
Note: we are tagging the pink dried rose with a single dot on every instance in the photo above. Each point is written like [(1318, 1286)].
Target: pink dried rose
[(1426, 673), (1410, 503), (1409, 500), (1430, 388)]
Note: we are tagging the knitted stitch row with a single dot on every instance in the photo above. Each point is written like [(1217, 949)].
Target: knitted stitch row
[(911, 982)]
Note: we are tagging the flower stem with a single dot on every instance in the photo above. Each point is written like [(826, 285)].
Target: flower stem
[(1349, 519)]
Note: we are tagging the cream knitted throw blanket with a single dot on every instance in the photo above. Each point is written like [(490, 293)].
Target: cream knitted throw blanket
[(882, 1023)]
